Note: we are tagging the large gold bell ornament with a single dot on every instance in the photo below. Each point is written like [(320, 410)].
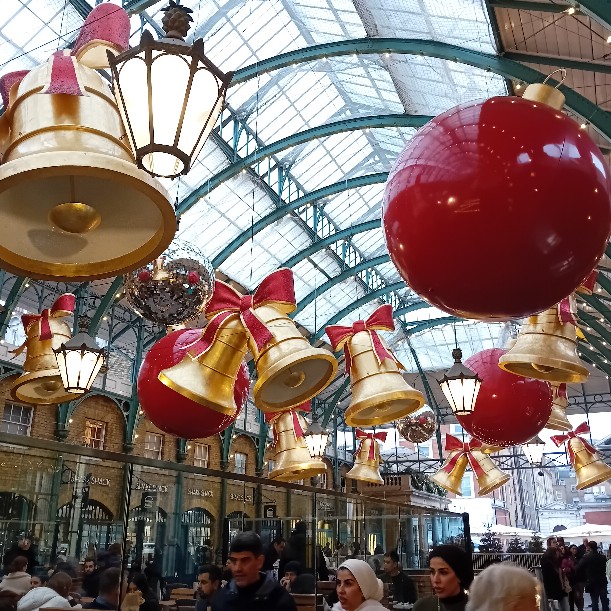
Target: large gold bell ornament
[(590, 470), (558, 420), (380, 393), (73, 203), (289, 370), (292, 460), (41, 383), (367, 458), (476, 454), (546, 348)]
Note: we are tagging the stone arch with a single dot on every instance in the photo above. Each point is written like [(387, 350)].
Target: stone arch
[(244, 445)]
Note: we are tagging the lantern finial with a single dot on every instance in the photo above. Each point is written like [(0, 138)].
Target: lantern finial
[(177, 20)]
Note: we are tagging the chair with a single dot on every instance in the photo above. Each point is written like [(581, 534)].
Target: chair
[(308, 602)]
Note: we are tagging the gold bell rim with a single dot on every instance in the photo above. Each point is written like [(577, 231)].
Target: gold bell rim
[(393, 398), (368, 480), (594, 480), (494, 485), (560, 371), (27, 377), (298, 471)]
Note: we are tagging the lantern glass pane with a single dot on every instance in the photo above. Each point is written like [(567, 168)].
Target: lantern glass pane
[(60, 357), (316, 444), (461, 394)]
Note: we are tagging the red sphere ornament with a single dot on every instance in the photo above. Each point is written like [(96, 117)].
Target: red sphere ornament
[(497, 209), (144, 275), (193, 278), (172, 412), (509, 409)]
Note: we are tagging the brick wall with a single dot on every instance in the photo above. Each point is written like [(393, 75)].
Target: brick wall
[(245, 445)]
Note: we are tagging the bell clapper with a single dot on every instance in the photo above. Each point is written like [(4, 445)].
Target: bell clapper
[(73, 216), (294, 378)]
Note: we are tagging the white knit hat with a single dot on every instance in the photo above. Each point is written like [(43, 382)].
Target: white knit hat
[(370, 585)]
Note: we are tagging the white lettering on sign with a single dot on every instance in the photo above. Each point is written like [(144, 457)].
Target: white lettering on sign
[(325, 506), (90, 480), (240, 497), (196, 492), (150, 487)]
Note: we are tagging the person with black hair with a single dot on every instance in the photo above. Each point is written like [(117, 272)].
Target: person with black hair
[(110, 590), (593, 567), (54, 594), (296, 548), (273, 552), (209, 579), (451, 573), (403, 588), (140, 585), (91, 578), (250, 588), (23, 547)]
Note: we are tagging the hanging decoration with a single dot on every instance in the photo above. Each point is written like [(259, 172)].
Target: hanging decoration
[(590, 469), (74, 204), (511, 167), (174, 288), (418, 428), (380, 393), (475, 454), (367, 458), (41, 383), (291, 456), (587, 286), (175, 413), (509, 409), (558, 420), (546, 348)]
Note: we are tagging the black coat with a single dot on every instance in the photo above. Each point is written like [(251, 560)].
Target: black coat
[(271, 555), (266, 595), (550, 572), (592, 568), (15, 551)]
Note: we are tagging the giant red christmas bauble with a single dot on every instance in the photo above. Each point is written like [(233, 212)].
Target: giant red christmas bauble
[(509, 409), (172, 412), (497, 209)]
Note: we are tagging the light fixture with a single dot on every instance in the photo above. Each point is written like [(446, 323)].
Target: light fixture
[(460, 385), (79, 361), (533, 450), (316, 438), (169, 95)]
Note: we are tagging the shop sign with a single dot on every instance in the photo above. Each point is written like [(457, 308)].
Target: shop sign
[(325, 506), (197, 492), (88, 480), (140, 485), (269, 511), (246, 498)]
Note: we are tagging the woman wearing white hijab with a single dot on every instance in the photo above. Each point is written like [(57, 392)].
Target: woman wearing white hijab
[(358, 588)]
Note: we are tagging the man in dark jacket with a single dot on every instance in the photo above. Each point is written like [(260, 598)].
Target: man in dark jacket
[(110, 589), (550, 573), (250, 589), (403, 588), (91, 578), (273, 552), (23, 547), (208, 584), (592, 566), (296, 548)]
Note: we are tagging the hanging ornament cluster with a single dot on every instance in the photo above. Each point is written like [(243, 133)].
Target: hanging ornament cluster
[(174, 413), (589, 468), (73, 201), (367, 458), (41, 382), (289, 370), (417, 428), (558, 420), (380, 393), (174, 288), (477, 176), (546, 347), (475, 454), (509, 409)]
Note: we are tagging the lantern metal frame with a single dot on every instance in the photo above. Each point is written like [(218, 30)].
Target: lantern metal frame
[(453, 385), (317, 440), (534, 450)]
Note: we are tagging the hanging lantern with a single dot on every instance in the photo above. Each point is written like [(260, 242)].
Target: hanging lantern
[(79, 361), (474, 453), (367, 458), (418, 428), (546, 348), (590, 470), (74, 204), (380, 393), (477, 176), (316, 438), (41, 382), (509, 409), (558, 420), (460, 386), (533, 450), (169, 94), (175, 413)]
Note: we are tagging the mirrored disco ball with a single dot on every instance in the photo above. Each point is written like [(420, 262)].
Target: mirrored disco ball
[(174, 288), (417, 428)]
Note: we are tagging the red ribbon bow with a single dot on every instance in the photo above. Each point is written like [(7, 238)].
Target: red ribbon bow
[(381, 319), (582, 428), (587, 286), (297, 428), (277, 289), (453, 444), (561, 391), (63, 306), (566, 311), (362, 435)]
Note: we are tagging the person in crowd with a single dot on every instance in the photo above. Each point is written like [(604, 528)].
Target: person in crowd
[(8, 601), (358, 587), (273, 552), (451, 573), (593, 567), (54, 594), (322, 569), (109, 590), (64, 567), (578, 583), (608, 565), (582, 550), (304, 584), (140, 585), (296, 548), (250, 588), (91, 578), (153, 575), (17, 580), (504, 587), (567, 567), (551, 573), (208, 584), (37, 580), (23, 547), (327, 551), (291, 571), (403, 588)]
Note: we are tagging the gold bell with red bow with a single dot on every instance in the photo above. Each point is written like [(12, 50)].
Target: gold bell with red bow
[(73, 201), (380, 394), (474, 453), (590, 470), (41, 383), (367, 458), (546, 348), (558, 420), (292, 460)]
